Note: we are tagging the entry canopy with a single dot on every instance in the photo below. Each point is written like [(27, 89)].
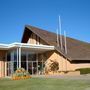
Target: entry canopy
[(27, 47)]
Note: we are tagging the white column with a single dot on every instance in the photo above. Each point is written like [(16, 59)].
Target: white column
[(42, 66), (27, 60), (19, 57), (32, 67), (37, 62)]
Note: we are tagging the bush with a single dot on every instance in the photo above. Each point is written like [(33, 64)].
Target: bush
[(20, 73), (84, 70), (54, 66)]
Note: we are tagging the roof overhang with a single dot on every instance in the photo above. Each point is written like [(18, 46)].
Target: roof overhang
[(77, 59), (26, 46)]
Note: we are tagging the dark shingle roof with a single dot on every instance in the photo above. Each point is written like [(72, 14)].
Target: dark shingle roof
[(77, 50)]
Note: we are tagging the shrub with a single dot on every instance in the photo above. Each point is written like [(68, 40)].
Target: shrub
[(84, 70), (20, 73), (54, 66)]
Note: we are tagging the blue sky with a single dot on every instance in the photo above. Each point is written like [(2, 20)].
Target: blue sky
[(15, 14)]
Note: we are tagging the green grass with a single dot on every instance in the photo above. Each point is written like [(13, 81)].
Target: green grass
[(44, 84)]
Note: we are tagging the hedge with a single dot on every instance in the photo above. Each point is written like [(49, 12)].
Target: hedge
[(84, 70)]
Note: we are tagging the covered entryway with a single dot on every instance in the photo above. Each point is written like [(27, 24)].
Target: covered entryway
[(28, 56)]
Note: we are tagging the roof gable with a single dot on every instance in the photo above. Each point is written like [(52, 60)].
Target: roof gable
[(77, 50)]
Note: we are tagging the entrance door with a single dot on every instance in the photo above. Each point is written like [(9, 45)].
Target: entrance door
[(32, 63)]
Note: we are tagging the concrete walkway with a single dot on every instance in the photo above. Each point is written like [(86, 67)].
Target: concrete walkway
[(81, 77)]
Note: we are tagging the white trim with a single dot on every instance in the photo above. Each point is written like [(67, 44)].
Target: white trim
[(25, 45)]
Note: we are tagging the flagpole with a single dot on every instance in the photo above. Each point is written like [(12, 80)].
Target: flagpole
[(65, 42), (60, 42), (61, 46), (57, 38)]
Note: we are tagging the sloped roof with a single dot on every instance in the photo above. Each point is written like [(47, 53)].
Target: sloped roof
[(76, 50)]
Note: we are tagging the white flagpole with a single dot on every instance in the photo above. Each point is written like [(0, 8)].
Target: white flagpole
[(65, 42), (61, 45), (57, 39), (60, 33)]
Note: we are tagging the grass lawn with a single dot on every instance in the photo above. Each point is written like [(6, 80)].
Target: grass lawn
[(44, 84)]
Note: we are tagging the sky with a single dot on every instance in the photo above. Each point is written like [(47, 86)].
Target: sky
[(15, 14)]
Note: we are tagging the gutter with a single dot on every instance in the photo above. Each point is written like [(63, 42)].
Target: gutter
[(25, 45)]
